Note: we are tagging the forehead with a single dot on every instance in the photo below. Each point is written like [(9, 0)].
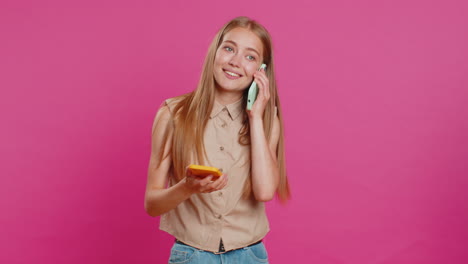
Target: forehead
[(244, 38)]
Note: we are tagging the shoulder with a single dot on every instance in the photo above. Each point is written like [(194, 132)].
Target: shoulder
[(165, 113), (174, 102), (171, 103), (166, 109)]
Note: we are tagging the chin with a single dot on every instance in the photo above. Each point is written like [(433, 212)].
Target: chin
[(232, 88)]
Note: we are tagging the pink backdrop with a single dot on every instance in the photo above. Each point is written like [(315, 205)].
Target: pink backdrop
[(375, 98)]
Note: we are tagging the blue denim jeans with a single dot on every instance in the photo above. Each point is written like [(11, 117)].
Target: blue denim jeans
[(185, 254)]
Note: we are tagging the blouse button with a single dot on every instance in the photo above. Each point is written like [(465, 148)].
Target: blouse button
[(223, 125), (221, 148)]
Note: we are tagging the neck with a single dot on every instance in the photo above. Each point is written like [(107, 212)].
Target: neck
[(225, 97)]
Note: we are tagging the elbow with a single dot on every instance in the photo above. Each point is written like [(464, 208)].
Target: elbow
[(264, 196), (150, 211), (264, 192)]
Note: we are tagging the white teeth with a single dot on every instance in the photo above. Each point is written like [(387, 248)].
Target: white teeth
[(232, 74)]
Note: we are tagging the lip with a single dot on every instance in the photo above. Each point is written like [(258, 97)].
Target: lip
[(230, 76)]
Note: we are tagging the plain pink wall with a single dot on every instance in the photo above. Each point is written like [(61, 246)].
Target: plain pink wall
[(375, 98)]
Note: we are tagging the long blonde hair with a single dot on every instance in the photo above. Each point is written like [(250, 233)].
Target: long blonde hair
[(192, 111)]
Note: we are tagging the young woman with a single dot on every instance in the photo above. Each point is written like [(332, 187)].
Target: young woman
[(220, 220)]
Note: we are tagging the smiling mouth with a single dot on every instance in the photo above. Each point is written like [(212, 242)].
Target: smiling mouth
[(231, 74)]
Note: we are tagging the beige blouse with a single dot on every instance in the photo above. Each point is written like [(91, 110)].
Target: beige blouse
[(204, 219)]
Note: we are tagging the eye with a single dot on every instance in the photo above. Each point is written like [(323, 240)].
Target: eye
[(250, 57), (227, 48)]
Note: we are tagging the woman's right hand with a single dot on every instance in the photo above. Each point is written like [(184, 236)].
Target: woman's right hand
[(197, 184)]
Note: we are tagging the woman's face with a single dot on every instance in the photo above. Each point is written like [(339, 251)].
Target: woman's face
[(237, 59)]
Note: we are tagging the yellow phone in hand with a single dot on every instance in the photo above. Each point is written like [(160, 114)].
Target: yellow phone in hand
[(204, 171)]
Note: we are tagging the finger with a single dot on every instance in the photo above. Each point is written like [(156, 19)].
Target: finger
[(206, 180), (261, 73), (266, 89), (263, 93), (223, 185), (188, 172), (263, 79), (202, 184), (219, 182), (211, 186), (224, 182), (260, 84)]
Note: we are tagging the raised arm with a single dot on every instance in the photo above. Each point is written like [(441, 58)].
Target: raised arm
[(265, 170)]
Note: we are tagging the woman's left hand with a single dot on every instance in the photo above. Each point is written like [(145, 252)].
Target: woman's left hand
[(263, 96)]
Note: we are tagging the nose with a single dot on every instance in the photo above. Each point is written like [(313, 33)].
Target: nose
[(235, 60)]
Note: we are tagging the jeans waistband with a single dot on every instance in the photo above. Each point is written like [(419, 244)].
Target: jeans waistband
[(221, 246)]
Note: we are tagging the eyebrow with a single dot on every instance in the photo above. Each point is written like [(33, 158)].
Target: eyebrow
[(234, 43)]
